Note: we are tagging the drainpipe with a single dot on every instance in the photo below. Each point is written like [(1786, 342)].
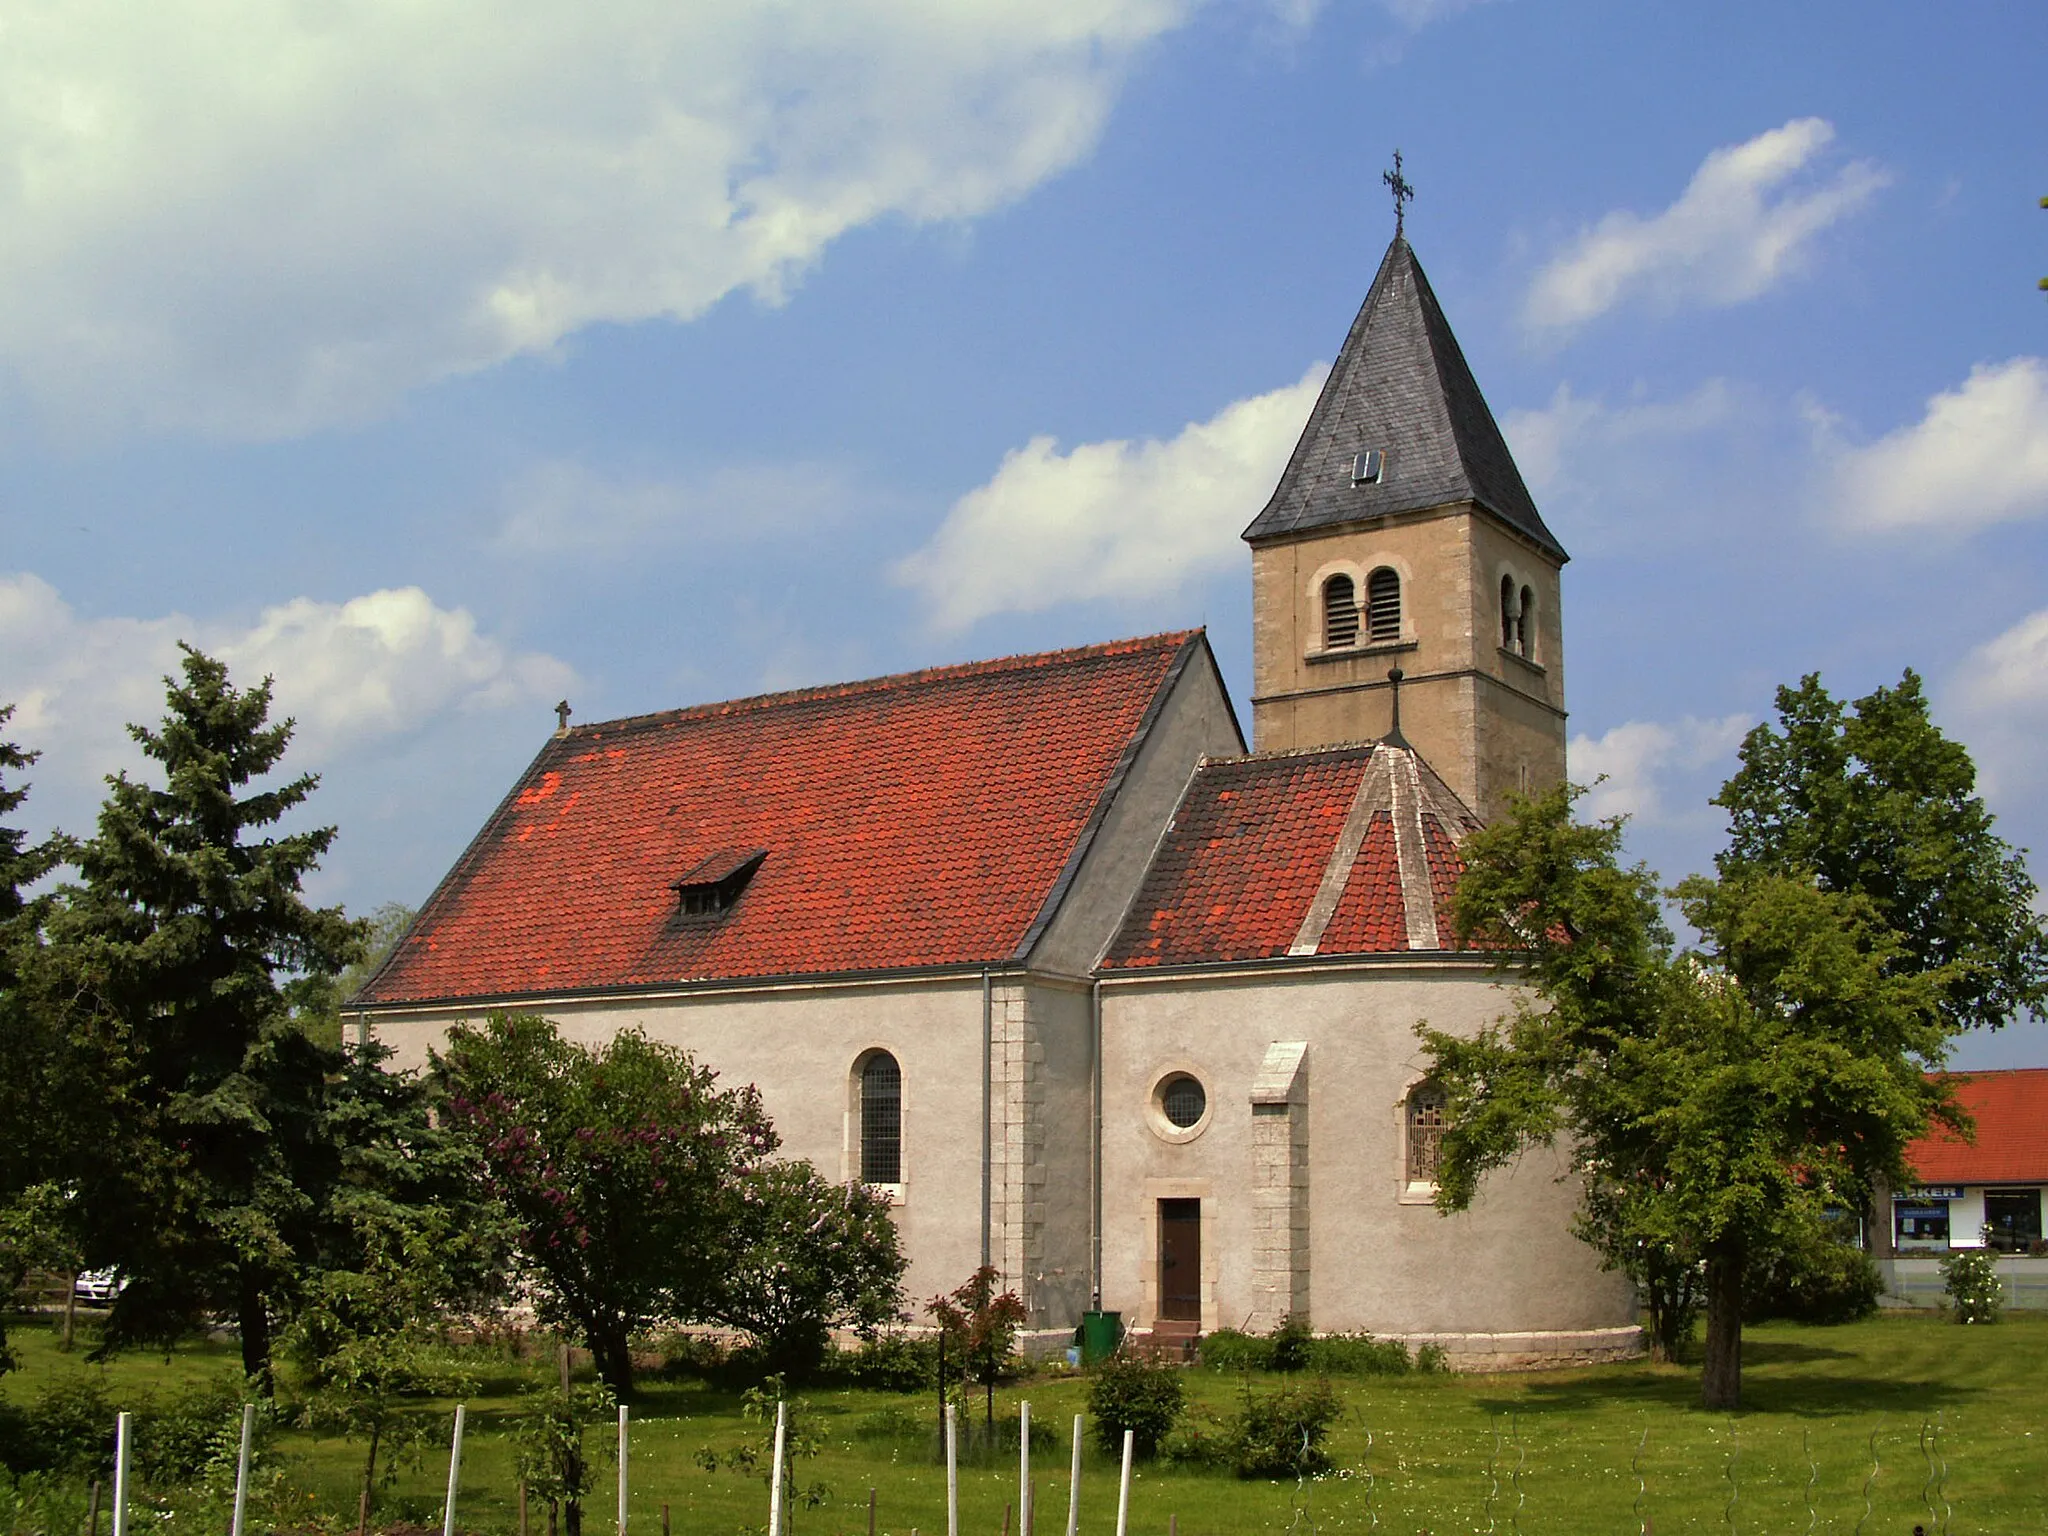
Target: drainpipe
[(988, 1052), (1095, 1145)]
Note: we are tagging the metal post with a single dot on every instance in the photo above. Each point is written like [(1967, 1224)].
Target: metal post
[(454, 1475), (1023, 1469), (1123, 1492), (952, 1475), (242, 1468), (775, 1482), (1074, 1485), (121, 1475), (622, 1469), (988, 1050)]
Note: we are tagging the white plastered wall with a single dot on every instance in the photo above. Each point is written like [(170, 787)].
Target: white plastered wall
[(1507, 1266)]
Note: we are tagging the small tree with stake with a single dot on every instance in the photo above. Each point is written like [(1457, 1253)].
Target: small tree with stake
[(978, 1326)]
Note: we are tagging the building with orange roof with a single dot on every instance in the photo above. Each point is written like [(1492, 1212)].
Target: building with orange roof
[(1037, 946)]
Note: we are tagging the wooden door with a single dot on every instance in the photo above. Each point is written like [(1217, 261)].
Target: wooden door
[(1180, 1261)]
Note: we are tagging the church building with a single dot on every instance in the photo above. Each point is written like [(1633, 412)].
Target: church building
[(1039, 946)]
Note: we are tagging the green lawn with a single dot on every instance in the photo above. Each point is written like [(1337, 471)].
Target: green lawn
[(1415, 1453)]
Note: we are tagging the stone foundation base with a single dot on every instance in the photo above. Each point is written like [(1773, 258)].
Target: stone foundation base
[(1533, 1351)]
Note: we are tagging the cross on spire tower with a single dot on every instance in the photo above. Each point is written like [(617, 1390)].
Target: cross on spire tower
[(1403, 192)]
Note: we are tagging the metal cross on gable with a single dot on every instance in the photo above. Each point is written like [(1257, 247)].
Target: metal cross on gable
[(1402, 190)]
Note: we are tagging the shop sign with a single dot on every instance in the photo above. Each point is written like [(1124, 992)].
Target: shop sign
[(1933, 1192)]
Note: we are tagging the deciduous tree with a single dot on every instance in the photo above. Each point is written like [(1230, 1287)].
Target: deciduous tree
[(622, 1165), (1711, 1097), (811, 1256), (1872, 799)]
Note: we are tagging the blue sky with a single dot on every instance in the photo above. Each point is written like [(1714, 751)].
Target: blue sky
[(445, 360)]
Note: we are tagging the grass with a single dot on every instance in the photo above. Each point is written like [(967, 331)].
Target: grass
[(1547, 1452)]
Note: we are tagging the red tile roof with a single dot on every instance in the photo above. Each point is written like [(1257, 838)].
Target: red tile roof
[(915, 821), (2011, 1111), (1258, 850)]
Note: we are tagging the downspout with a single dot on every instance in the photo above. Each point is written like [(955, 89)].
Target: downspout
[(988, 1051), (1095, 1144)]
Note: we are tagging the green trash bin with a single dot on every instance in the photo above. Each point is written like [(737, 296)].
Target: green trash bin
[(1101, 1332)]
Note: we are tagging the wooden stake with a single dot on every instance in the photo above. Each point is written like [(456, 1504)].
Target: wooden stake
[(1173, 1525), (622, 1469), (871, 1514), (242, 1468), (363, 1509), (1074, 1485), (664, 1520), (775, 1484), (522, 1507), (1023, 1470), (1123, 1492), (952, 1474), (92, 1510), (70, 1315), (121, 1475), (454, 1475), (1006, 1518)]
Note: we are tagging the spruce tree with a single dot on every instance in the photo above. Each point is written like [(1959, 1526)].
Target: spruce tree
[(204, 1182), (27, 1045)]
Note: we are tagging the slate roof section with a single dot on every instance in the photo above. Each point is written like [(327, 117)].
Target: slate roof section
[(1400, 384), (2011, 1111), (1256, 838), (912, 822)]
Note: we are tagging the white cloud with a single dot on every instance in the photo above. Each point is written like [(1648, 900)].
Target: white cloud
[(367, 670), (1121, 520), (1636, 760), (253, 219), (1575, 439), (1725, 240), (2000, 696), (1978, 456)]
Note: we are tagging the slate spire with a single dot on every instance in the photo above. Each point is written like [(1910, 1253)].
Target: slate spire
[(1399, 386)]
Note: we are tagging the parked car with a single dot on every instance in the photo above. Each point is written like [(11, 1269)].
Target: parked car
[(98, 1286)]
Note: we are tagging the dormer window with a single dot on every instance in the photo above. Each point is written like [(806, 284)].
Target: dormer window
[(1367, 467), (714, 885)]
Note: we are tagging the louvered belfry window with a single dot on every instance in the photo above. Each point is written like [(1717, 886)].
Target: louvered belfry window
[(1383, 605), (1425, 1133), (1523, 617), (1340, 612), (1507, 613), (881, 1120)]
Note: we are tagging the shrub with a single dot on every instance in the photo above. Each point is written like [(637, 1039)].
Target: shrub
[(1292, 1344), (179, 1438), (1432, 1360), (1814, 1278), (68, 1430), (1970, 1276), (1360, 1354), (889, 1362), (1135, 1394), (1196, 1442), (1281, 1434), (1228, 1350)]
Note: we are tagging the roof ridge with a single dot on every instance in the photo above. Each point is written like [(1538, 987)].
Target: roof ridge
[(1280, 754), (992, 666)]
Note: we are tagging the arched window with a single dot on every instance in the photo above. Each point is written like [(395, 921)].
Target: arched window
[(1425, 1132), (1383, 604), (1340, 612), (881, 1120), (1507, 613), (1525, 624)]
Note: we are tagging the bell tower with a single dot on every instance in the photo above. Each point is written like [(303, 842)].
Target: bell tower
[(1401, 537)]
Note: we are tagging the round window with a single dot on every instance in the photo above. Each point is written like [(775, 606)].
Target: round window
[(1182, 1101)]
